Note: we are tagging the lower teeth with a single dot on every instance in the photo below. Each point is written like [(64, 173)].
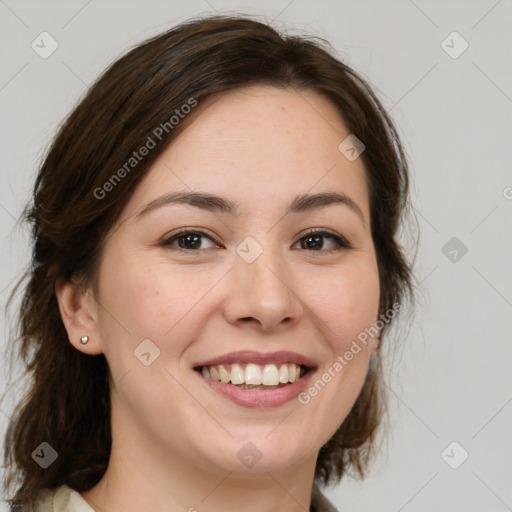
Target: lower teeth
[(257, 386)]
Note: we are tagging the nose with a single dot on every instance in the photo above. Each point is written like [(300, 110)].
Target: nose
[(261, 294)]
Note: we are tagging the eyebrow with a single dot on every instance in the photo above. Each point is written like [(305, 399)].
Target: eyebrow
[(211, 202)]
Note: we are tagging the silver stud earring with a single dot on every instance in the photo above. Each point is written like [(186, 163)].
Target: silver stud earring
[(84, 340)]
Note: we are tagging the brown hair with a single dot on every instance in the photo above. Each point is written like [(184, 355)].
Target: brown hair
[(67, 403)]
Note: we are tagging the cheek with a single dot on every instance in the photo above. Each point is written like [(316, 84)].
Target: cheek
[(130, 294), (345, 301), (152, 301)]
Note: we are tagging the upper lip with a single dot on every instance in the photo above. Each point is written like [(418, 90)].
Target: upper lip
[(249, 356)]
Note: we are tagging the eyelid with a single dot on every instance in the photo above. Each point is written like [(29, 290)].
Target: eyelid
[(314, 231), (168, 238)]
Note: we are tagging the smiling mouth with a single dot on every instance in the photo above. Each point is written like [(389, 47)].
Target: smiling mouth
[(255, 376)]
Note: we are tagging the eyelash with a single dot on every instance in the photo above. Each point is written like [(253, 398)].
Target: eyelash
[(342, 242)]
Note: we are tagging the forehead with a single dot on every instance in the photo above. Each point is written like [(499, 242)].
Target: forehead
[(257, 144)]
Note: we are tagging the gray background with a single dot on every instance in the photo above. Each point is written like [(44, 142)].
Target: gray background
[(451, 380)]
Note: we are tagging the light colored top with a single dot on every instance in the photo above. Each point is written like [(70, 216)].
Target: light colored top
[(65, 499), (62, 499)]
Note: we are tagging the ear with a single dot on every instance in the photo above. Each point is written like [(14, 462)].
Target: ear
[(79, 314)]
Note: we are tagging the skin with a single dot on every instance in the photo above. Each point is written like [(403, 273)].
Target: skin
[(175, 441)]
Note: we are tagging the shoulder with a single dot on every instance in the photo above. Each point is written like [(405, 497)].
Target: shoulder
[(62, 499), (319, 503), (65, 499)]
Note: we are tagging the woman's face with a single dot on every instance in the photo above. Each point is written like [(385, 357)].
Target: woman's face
[(244, 275)]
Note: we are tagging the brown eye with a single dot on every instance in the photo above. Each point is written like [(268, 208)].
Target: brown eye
[(188, 241), (317, 241)]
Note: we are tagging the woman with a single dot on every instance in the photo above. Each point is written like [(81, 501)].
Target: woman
[(215, 265)]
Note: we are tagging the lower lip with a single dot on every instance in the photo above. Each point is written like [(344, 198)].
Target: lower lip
[(258, 398)]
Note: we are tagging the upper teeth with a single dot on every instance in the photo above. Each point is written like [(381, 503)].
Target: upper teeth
[(268, 374)]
